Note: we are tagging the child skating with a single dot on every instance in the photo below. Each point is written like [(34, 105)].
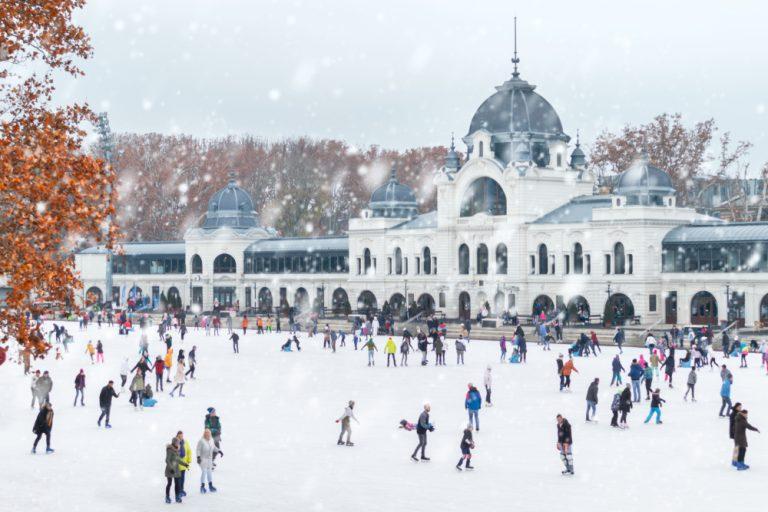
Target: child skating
[(467, 444)]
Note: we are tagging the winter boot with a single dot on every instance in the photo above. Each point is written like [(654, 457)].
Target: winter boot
[(468, 465), (339, 442), (168, 500), (458, 466), (202, 489), (211, 487), (350, 443), (49, 450), (178, 498)]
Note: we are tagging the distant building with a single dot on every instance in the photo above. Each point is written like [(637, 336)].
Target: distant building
[(517, 228)]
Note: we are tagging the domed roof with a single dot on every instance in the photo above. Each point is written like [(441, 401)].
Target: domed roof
[(393, 199), (642, 178), (578, 158), (515, 107), (452, 160), (230, 207)]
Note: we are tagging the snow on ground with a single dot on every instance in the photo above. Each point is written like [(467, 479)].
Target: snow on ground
[(279, 437)]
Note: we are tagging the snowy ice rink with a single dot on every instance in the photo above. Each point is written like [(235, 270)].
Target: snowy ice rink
[(279, 437)]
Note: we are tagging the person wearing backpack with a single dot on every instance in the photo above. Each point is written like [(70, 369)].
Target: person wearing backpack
[(460, 349), (615, 403), (691, 385)]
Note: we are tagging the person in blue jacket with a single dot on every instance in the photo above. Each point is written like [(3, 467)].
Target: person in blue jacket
[(635, 374), (617, 368), (725, 395), (472, 403)]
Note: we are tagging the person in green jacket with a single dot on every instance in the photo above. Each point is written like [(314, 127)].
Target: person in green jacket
[(390, 349), (172, 473), (213, 423), (371, 346), (186, 459)]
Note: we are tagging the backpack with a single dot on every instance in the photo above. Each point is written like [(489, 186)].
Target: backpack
[(615, 402), (460, 347)]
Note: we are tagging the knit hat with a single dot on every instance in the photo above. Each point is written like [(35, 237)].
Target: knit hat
[(210, 410)]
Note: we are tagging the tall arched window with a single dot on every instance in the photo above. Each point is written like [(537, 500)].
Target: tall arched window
[(543, 259), (427, 258), (463, 259), (480, 153), (197, 264), (398, 261), (501, 259), (484, 195), (482, 259), (366, 260), (578, 259), (618, 258), (224, 264)]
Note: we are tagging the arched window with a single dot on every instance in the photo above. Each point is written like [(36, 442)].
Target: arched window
[(578, 259), (427, 257), (463, 259), (484, 195), (482, 259), (543, 259), (501, 259), (398, 261), (224, 264), (618, 258), (366, 260), (480, 153), (197, 264)]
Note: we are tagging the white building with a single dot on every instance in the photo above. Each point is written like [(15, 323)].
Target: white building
[(518, 226)]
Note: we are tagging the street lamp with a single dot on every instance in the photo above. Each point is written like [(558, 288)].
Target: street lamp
[(728, 303), (407, 309)]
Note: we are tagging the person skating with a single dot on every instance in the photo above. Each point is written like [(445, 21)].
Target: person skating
[(625, 405), (466, 445), (423, 345), (80, 388), (735, 410), (90, 350), (159, 368), (213, 423), (205, 451), (125, 369), (461, 348), (44, 386), (137, 390), (522, 344), (235, 342), (568, 368), (35, 392), (669, 368), (172, 473), (635, 374), (472, 403), (99, 352), (391, 349), (43, 426), (371, 346), (618, 339), (168, 364), (616, 368), (692, 377), (405, 349), (185, 453), (422, 427), (725, 395), (438, 345), (346, 428), (592, 391), (615, 407), (560, 364), (179, 379), (656, 402), (106, 395), (192, 362), (565, 443), (487, 382), (741, 425), (648, 379), (503, 348)]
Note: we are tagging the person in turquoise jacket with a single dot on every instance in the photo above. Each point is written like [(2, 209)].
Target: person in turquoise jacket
[(725, 395)]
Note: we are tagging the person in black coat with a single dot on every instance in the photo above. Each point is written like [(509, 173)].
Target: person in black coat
[(592, 397), (625, 405), (466, 445), (105, 402), (564, 443), (740, 427), (669, 367), (43, 426), (736, 409)]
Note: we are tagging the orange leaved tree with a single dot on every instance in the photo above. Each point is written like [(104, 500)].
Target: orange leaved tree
[(52, 193)]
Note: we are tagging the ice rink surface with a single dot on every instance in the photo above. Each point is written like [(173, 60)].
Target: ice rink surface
[(279, 436)]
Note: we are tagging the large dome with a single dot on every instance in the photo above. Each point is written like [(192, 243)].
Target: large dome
[(515, 107), (645, 181), (393, 199), (230, 207)]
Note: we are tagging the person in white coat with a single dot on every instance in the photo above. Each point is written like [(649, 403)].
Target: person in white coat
[(375, 327), (179, 378), (205, 450), (488, 381), (125, 369)]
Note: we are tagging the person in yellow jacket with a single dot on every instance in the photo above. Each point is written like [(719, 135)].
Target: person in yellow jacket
[(185, 459), (90, 350), (168, 363), (390, 349)]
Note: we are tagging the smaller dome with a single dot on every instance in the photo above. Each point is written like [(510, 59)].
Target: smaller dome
[(394, 199), (230, 207), (643, 180), (578, 158), (452, 160)]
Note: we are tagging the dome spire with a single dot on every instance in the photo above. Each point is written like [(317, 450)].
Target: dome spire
[(578, 143), (232, 177), (393, 172), (515, 59)]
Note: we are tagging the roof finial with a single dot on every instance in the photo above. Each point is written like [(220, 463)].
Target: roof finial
[(232, 177), (515, 60), (578, 144), (393, 175), (453, 146)]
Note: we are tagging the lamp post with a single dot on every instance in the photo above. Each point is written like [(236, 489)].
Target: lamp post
[(608, 303), (407, 310), (728, 303)]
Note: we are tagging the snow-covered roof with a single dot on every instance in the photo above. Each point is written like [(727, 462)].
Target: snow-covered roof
[(140, 248), (306, 244), (423, 221), (577, 210), (719, 233)]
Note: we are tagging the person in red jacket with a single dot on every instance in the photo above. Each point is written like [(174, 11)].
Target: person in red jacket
[(159, 367)]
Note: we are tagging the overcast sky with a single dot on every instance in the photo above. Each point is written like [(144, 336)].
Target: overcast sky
[(406, 73)]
